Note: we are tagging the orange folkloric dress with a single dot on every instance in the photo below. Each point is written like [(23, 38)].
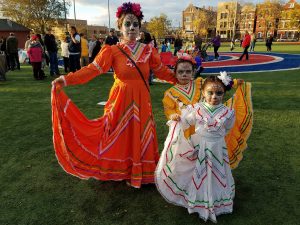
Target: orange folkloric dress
[(122, 144)]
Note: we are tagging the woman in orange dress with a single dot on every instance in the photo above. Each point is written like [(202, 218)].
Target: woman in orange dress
[(122, 144)]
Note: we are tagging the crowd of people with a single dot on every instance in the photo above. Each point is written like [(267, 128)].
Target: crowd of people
[(42, 50), (78, 51)]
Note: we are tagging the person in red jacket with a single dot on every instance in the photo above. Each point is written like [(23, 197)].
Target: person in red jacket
[(245, 45), (35, 54)]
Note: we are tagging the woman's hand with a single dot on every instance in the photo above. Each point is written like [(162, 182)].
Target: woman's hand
[(175, 117), (59, 81)]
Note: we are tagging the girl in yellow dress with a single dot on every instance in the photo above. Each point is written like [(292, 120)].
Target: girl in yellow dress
[(188, 91)]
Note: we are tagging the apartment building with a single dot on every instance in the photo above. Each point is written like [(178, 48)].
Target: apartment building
[(246, 20), (286, 30), (228, 14), (191, 14)]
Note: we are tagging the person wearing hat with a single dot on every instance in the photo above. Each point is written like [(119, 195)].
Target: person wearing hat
[(35, 54), (111, 38)]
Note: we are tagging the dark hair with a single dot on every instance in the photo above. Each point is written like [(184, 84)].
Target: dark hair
[(215, 79), (182, 61), (120, 20), (74, 28), (148, 38)]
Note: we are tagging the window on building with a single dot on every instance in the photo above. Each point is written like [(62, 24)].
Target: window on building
[(223, 15), (226, 6), (292, 5), (259, 35)]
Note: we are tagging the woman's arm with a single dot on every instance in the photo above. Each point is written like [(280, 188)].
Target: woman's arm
[(100, 65)]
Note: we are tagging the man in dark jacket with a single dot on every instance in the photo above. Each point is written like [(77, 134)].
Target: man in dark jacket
[(12, 51), (111, 38), (74, 50), (51, 47)]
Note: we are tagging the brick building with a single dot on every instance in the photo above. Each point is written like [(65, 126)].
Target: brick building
[(7, 26), (287, 31), (189, 15)]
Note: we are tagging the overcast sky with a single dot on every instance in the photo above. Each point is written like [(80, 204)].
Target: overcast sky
[(96, 11)]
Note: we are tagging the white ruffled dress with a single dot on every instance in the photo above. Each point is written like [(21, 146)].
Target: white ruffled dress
[(195, 173)]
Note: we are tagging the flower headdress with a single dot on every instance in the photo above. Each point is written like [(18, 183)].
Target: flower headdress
[(129, 7), (226, 80), (185, 56)]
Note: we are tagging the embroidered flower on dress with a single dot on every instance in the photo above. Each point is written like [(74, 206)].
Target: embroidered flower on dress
[(129, 7)]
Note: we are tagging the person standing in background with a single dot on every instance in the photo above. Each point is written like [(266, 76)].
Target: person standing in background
[(12, 51), (252, 42), (216, 43), (51, 46), (84, 57), (35, 53), (96, 49), (111, 38), (198, 42), (92, 44), (245, 45), (74, 50), (177, 44), (27, 43), (269, 43), (65, 54)]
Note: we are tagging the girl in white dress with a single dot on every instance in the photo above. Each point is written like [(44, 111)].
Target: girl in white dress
[(195, 173)]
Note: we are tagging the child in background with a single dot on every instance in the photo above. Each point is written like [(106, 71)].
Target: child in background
[(195, 173), (35, 54), (232, 44), (65, 54), (163, 47)]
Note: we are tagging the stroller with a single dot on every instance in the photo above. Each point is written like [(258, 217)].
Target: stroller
[(204, 48)]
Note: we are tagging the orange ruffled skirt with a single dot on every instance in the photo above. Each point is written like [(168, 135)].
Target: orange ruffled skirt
[(120, 145)]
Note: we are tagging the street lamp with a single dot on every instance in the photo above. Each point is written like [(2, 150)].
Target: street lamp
[(74, 13), (108, 14), (65, 15)]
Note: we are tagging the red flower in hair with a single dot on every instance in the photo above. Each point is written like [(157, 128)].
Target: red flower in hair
[(129, 7)]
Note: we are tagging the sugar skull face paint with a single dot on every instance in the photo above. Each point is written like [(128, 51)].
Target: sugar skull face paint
[(213, 93), (130, 27), (184, 72)]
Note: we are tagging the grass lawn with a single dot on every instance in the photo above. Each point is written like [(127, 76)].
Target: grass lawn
[(36, 191), (280, 47)]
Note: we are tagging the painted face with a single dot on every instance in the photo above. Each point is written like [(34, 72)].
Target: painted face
[(130, 27), (184, 72), (213, 93)]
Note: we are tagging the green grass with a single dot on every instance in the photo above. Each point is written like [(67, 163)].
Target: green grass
[(280, 47), (36, 191)]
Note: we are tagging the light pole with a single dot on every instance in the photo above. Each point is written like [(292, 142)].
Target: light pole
[(65, 16), (108, 14), (74, 13)]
